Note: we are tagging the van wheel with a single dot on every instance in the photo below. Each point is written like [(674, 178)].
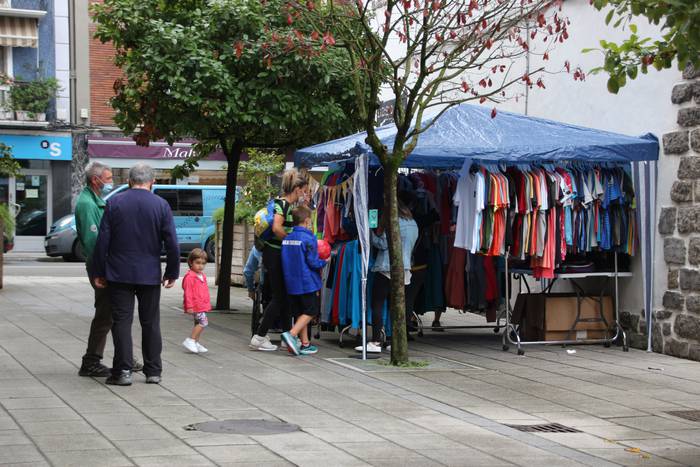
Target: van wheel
[(210, 248)]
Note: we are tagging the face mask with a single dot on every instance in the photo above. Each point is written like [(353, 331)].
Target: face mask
[(106, 188)]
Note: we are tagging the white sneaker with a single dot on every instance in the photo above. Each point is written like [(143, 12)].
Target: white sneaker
[(191, 345), (262, 343), (201, 348), (283, 345), (372, 347), (388, 348)]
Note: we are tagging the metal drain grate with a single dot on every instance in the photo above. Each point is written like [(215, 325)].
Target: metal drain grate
[(692, 415), (547, 428), (244, 427)]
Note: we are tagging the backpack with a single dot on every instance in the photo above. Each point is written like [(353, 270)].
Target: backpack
[(262, 224)]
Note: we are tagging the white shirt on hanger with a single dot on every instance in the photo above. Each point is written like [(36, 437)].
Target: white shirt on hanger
[(464, 199)]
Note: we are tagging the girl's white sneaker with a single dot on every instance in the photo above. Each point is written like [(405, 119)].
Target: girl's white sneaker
[(191, 345), (201, 348)]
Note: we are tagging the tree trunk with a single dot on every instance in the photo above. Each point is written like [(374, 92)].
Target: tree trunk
[(233, 156), (397, 299)]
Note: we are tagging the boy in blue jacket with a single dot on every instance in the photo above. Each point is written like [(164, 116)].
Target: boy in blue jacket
[(301, 267)]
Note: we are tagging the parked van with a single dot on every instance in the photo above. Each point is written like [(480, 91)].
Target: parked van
[(192, 206)]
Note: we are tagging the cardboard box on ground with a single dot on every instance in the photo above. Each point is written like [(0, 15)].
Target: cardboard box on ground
[(551, 317)]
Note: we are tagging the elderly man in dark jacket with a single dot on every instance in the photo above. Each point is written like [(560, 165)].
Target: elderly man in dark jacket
[(135, 227)]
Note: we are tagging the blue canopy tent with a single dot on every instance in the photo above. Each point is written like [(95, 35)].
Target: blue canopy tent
[(467, 133)]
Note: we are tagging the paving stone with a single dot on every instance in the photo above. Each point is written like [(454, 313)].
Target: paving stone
[(58, 428), (148, 447), (167, 461), (13, 437), (52, 443), (19, 454), (135, 432), (38, 415), (107, 458), (229, 454)]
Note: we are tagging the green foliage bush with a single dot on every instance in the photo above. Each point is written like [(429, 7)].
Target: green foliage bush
[(33, 96)]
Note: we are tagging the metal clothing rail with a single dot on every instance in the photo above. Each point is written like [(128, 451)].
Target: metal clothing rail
[(511, 334)]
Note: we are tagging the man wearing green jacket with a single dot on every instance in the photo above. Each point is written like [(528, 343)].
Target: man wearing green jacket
[(88, 215)]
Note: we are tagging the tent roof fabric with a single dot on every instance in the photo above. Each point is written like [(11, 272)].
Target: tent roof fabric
[(468, 132)]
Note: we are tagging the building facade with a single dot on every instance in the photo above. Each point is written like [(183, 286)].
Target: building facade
[(34, 48)]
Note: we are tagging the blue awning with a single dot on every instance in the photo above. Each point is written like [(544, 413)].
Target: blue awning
[(468, 132)]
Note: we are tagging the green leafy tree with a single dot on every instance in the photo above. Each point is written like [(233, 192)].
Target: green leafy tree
[(680, 40), (233, 74), (257, 172), (430, 55)]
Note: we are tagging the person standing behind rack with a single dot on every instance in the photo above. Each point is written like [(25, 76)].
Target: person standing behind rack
[(294, 187), (381, 269)]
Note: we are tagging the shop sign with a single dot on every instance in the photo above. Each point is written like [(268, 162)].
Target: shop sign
[(126, 148), (39, 147)]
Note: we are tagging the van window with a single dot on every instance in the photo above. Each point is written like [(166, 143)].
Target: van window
[(190, 202), (182, 202), (170, 196)]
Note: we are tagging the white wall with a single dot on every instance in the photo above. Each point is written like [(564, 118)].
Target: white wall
[(642, 106)]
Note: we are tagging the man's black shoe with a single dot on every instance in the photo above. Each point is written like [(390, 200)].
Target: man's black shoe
[(95, 369), (122, 379), (136, 366), (152, 379)]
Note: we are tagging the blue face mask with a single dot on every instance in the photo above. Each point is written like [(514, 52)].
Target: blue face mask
[(107, 188)]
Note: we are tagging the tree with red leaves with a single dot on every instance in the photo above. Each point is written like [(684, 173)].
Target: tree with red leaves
[(428, 56)]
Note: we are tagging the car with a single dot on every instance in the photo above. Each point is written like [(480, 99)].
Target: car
[(192, 206)]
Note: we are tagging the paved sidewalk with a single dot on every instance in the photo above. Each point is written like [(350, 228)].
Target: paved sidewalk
[(457, 416)]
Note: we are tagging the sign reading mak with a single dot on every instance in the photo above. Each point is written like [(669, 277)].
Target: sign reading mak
[(125, 148)]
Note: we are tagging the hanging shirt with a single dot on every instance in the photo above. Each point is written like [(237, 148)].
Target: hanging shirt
[(465, 199)]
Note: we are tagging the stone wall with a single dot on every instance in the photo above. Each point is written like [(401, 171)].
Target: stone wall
[(676, 328)]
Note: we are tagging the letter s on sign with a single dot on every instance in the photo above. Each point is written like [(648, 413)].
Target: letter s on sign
[(55, 150)]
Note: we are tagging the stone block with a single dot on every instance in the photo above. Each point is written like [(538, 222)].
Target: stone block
[(682, 93), (692, 304), (695, 140), (672, 280), (657, 339), (689, 168), (672, 301), (689, 116), (674, 250), (661, 315), (688, 219), (638, 341), (690, 72), (676, 142), (666, 329), (694, 250), (667, 221), (682, 191), (690, 280), (687, 327), (677, 348), (694, 352)]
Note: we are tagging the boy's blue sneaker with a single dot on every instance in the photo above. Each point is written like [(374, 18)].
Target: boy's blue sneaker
[(308, 349), (292, 343)]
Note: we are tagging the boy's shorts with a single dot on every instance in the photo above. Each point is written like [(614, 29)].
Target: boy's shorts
[(305, 304)]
